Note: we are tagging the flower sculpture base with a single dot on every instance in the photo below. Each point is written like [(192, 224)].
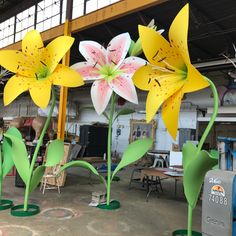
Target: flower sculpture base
[(113, 205), (18, 210), (184, 232), (5, 204)]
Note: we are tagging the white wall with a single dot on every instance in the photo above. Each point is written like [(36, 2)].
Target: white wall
[(163, 140)]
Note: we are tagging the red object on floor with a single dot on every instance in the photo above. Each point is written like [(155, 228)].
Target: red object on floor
[(12, 172)]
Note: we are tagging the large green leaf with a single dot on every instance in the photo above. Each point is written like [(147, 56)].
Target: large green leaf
[(20, 156), (7, 151), (196, 166), (36, 177), (134, 151), (55, 152), (124, 111), (82, 164)]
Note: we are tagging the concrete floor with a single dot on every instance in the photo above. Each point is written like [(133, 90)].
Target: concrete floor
[(68, 214)]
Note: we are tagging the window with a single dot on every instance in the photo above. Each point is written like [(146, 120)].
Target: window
[(78, 8), (48, 14), (24, 22), (64, 11), (7, 32)]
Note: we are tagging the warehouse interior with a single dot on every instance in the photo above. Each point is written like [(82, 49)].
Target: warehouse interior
[(103, 164)]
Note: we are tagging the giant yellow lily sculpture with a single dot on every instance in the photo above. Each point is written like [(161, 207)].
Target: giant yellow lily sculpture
[(36, 69), (169, 75)]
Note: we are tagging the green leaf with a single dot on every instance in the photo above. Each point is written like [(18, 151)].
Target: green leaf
[(134, 152), (36, 177), (20, 156), (125, 111), (131, 47), (7, 151), (82, 164), (196, 166), (55, 152)]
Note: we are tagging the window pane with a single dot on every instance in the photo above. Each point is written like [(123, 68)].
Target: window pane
[(18, 37), (32, 10), (55, 20), (39, 27), (56, 7), (48, 3), (91, 5), (40, 6), (103, 3), (64, 11), (40, 16), (11, 39), (47, 24)]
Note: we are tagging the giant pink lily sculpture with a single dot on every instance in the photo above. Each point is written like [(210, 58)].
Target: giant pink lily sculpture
[(112, 73), (110, 70)]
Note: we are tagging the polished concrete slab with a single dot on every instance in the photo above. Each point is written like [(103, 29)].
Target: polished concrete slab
[(68, 214)]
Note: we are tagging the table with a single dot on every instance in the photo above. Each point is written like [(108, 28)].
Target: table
[(161, 174)]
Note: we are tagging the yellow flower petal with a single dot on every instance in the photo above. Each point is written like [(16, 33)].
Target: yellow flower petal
[(170, 112), (158, 95), (158, 50), (32, 43), (16, 62), (178, 33), (33, 49), (194, 81), (65, 76), (40, 92), (142, 78), (57, 49), (14, 87)]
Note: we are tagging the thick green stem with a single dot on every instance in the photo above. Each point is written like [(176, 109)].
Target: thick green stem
[(190, 220), (213, 117), (203, 138), (112, 109), (39, 142)]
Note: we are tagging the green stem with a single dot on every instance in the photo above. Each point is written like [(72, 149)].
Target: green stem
[(190, 220), (112, 109), (213, 117), (39, 142)]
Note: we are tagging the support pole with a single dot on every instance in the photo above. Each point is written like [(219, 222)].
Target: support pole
[(64, 90)]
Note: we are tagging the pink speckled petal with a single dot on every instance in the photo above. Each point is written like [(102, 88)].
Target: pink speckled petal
[(87, 70), (131, 64), (93, 52), (100, 94), (124, 87), (117, 49)]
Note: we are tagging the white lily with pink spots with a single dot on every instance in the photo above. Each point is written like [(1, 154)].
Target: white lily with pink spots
[(110, 70)]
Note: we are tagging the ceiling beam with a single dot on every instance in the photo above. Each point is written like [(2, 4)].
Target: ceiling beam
[(206, 15)]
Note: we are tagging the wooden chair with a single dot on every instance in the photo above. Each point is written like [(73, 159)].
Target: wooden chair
[(51, 178)]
